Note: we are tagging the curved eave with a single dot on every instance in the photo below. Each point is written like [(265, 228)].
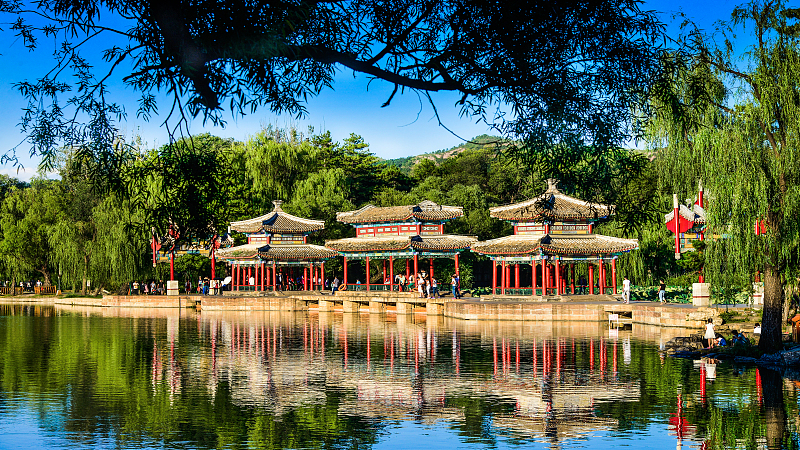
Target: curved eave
[(295, 252), (510, 245), (369, 244)]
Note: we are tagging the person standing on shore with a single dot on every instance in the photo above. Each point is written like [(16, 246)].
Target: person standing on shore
[(626, 290), (710, 335), (662, 291)]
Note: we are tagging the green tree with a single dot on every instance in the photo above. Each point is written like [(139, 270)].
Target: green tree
[(736, 127), (26, 218)]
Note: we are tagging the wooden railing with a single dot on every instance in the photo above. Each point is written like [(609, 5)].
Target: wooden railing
[(11, 290), (45, 289)]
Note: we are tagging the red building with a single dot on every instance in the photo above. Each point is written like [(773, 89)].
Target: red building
[(553, 233), (277, 249), (407, 232)]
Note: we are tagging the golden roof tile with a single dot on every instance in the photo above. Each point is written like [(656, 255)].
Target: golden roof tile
[(552, 205), (438, 242), (279, 222), (527, 244), (295, 252), (427, 211)]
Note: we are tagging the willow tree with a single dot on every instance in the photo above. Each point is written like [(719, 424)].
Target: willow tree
[(734, 122)]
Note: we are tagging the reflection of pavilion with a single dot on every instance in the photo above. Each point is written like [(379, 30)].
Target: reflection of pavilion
[(284, 365)]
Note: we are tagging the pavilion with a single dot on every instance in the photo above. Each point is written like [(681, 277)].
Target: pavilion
[(277, 243), (553, 233), (407, 232)]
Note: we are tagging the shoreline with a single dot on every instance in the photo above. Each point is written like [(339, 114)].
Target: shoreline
[(575, 309)]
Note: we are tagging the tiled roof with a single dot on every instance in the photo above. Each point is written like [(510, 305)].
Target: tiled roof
[(551, 205), (271, 252), (246, 251), (523, 244), (277, 221), (394, 243), (295, 252), (527, 244), (697, 214), (424, 211)]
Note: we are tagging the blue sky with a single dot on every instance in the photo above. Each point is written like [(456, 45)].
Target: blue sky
[(406, 127)]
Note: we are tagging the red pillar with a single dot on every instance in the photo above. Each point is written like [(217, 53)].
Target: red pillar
[(416, 266), (533, 276), (572, 277), (213, 263), (367, 283), (494, 276), (234, 278), (545, 277), (516, 276), (391, 273), (503, 281), (172, 265), (457, 272), (322, 274), (345, 271), (591, 279), (274, 276), (614, 275), (430, 274), (408, 269), (383, 280), (558, 277), (602, 282)]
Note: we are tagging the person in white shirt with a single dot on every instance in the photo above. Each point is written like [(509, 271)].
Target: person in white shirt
[(626, 290)]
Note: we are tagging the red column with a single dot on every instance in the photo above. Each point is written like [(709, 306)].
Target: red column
[(572, 277), (322, 274), (457, 264), (516, 276), (494, 276), (408, 270), (172, 265), (345, 271), (258, 277), (504, 280), (545, 277), (274, 276), (431, 269), (675, 210), (234, 278), (614, 275), (391, 273), (558, 277), (367, 283), (416, 266), (533, 276), (383, 280), (602, 282), (591, 279), (213, 263)]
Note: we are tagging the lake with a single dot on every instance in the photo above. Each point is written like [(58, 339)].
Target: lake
[(91, 378)]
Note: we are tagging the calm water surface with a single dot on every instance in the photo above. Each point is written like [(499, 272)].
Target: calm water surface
[(90, 378)]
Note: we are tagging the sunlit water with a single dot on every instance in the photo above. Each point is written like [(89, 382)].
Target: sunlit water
[(90, 378)]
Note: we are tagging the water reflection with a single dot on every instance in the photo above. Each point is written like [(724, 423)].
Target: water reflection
[(296, 380)]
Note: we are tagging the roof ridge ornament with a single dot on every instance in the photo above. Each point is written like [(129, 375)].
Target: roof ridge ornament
[(552, 186), (277, 205)]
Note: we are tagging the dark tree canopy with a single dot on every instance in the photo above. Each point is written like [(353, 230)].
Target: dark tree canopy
[(568, 71)]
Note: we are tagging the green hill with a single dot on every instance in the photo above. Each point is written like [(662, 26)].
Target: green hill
[(478, 142)]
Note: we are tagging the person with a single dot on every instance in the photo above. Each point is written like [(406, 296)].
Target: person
[(458, 285), (420, 286), (721, 340), (626, 290), (428, 287), (582, 285), (187, 287), (434, 288), (710, 335), (662, 291), (757, 329), (334, 285), (453, 285), (252, 282), (135, 288), (739, 339)]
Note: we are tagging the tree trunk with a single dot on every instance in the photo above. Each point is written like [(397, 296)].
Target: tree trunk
[(85, 270), (46, 274), (772, 320)]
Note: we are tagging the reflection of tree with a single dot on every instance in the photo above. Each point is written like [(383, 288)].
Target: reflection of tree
[(774, 412)]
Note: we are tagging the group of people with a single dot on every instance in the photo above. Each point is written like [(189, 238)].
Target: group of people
[(426, 287), (145, 288), (714, 339), (205, 286)]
